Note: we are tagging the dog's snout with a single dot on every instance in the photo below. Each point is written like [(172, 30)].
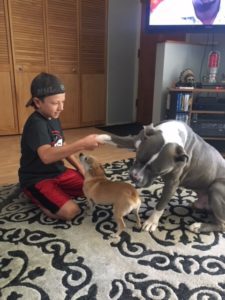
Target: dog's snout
[(134, 175), (137, 175)]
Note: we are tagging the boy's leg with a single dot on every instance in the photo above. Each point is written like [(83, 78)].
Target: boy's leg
[(53, 200), (71, 182)]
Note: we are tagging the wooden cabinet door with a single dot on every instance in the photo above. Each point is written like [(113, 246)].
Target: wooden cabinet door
[(46, 41), (93, 99), (8, 113), (27, 19), (67, 38), (93, 16), (62, 31)]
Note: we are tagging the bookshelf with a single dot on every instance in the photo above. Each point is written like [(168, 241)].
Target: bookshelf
[(202, 109), (179, 105)]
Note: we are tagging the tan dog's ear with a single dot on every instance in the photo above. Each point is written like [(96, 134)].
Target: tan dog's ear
[(181, 155), (96, 170), (92, 172)]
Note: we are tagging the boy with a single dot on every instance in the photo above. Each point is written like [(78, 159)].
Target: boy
[(42, 174)]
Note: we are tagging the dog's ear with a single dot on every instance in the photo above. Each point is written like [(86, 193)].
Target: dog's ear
[(148, 130), (124, 141), (99, 170), (96, 170), (181, 155), (145, 134), (92, 172)]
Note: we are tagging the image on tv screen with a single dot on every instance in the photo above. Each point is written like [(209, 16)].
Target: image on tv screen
[(186, 12)]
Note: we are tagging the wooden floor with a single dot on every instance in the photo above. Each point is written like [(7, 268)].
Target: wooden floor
[(10, 152)]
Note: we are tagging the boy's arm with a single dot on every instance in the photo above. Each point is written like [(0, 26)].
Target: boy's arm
[(49, 154), (75, 163)]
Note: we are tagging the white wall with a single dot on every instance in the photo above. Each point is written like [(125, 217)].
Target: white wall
[(124, 17), (215, 41), (171, 59)]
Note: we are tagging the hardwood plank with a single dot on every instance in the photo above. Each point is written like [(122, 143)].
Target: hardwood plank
[(10, 152)]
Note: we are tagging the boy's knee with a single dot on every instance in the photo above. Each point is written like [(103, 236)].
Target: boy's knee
[(72, 213), (69, 211)]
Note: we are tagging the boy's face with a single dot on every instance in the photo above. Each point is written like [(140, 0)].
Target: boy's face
[(51, 106)]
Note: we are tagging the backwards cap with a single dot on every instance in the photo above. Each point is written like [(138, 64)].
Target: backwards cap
[(44, 85)]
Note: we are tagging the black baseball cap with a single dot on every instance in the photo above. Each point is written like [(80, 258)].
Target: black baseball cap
[(43, 85)]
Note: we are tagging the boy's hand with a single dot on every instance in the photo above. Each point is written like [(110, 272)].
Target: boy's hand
[(103, 138), (90, 142)]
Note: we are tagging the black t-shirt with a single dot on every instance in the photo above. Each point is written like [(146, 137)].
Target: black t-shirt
[(39, 131)]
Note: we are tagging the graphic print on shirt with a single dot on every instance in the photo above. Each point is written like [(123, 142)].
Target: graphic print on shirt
[(57, 138)]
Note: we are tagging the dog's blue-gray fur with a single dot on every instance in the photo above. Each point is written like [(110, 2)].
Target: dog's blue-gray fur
[(182, 158)]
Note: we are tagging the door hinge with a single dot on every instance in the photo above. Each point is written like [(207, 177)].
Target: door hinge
[(138, 53)]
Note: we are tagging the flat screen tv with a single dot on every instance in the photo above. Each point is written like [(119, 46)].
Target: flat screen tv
[(185, 16)]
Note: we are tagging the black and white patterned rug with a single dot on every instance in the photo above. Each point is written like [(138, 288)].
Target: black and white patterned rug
[(46, 259)]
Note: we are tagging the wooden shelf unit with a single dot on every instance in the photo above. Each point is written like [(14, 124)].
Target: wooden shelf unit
[(203, 121)]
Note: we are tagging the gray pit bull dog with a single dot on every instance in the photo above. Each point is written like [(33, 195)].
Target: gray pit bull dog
[(182, 158)]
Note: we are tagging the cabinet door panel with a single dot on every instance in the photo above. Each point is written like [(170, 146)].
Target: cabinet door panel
[(67, 38), (27, 18), (8, 123), (92, 36), (93, 99), (23, 94), (70, 116), (27, 25), (4, 46), (62, 31), (8, 117), (93, 18)]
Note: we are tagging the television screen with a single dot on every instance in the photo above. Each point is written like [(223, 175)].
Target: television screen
[(186, 15)]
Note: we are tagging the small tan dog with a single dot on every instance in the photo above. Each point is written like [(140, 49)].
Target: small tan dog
[(99, 190)]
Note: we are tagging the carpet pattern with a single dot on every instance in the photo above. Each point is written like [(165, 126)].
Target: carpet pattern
[(41, 258)]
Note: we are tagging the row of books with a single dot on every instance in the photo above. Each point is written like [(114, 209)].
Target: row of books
[(183, 102), (182, 117)]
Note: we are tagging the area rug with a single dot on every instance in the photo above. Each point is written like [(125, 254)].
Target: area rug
[(41, 258)]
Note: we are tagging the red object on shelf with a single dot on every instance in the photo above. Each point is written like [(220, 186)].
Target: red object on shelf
[(213, 64), (214, 58)]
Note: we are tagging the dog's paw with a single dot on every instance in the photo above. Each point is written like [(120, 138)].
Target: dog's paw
[(114, 236), (138, 226), (103, 138), (149, 226), (195, 227), (88, 212)]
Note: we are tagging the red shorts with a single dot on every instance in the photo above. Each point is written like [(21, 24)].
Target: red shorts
[(53, 193)]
